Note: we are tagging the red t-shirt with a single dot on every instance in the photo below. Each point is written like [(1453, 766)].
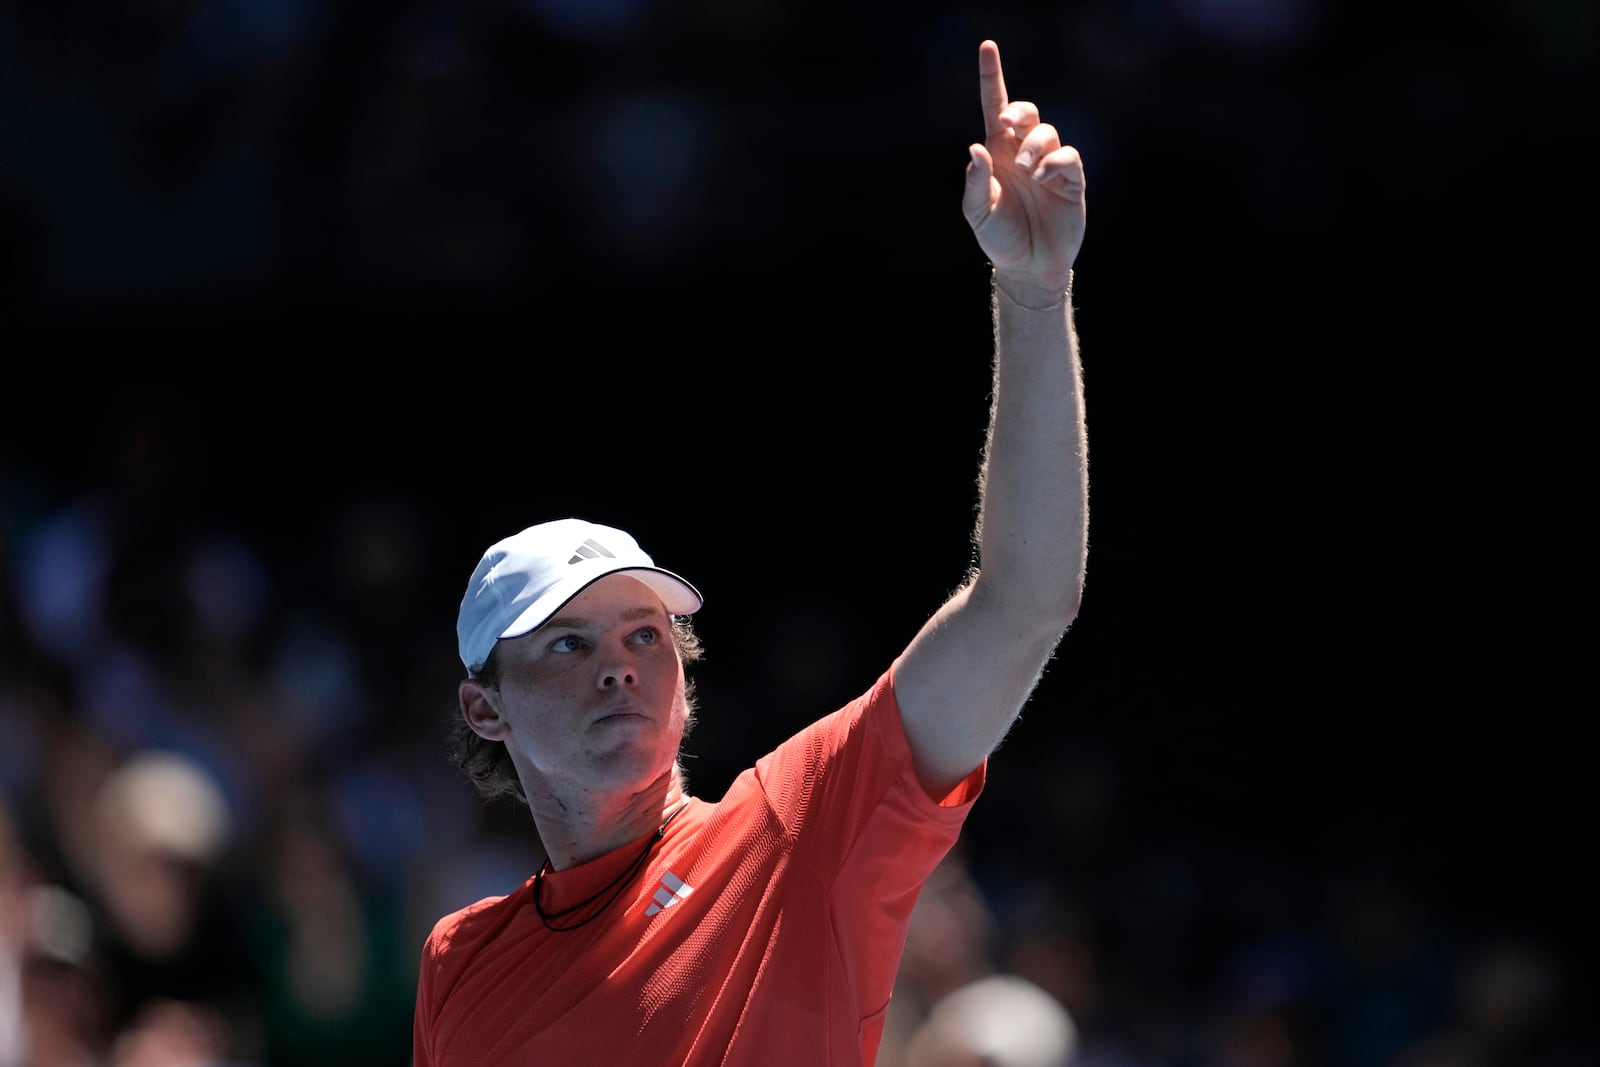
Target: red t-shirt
[(763, 930)]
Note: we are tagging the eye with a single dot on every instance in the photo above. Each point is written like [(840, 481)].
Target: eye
[(567, 643), (647, 635)]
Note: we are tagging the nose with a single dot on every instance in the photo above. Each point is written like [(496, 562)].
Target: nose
[(618, 669)]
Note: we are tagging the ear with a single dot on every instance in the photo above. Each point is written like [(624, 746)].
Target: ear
[(480, 707)]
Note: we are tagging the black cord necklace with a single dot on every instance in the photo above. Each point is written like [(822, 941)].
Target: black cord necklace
[(615, 886)]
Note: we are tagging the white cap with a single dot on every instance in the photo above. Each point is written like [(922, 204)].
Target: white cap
[(526, 578)]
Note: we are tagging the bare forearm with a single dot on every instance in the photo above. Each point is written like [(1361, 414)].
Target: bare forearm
[(1033, 521)]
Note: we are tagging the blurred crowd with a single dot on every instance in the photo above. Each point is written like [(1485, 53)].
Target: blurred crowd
[(226, 823), (226, 819), (213, 849)]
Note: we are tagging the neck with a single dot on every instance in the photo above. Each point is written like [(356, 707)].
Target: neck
[(577, 830)]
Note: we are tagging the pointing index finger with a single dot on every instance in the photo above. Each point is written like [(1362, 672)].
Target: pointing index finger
[(991, 88)]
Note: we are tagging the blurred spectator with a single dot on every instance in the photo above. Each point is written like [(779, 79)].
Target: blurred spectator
[(336, 975), (1055, 937), (55, 1007), (954, 936), (168, 1033), (1000, 1020), (951, 941), (165, 925), (1508, 1009), (1389, 970), (13, 940)]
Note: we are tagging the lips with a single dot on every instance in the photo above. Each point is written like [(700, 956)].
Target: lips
[(621, 713)]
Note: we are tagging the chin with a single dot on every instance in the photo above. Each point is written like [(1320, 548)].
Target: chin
[(634, 770)]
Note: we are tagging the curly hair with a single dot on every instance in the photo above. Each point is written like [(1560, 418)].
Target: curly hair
[(488, 765)]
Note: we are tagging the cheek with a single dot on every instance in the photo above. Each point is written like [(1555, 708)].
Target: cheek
[(680, 698)]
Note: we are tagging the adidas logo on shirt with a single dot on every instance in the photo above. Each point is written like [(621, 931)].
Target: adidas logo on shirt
[(671, 890)]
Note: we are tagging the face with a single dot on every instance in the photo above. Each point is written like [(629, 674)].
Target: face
[(593, 700)]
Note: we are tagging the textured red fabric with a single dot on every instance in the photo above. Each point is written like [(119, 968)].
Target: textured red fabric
[(780, 945)]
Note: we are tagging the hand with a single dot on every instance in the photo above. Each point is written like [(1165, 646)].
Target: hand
[(1024, 192)]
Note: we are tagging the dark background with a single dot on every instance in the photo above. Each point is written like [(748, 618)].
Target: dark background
[(367, 287)]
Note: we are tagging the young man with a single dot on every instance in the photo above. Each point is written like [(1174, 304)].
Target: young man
[(766, 928)]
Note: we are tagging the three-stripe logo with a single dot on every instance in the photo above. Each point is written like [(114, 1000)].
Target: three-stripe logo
[(671, 890), (590, 549)]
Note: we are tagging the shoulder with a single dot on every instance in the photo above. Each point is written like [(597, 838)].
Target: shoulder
[(876, 709), (470, 925), (858, 749)]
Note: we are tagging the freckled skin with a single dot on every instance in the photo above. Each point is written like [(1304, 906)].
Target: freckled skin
[(593, 701)]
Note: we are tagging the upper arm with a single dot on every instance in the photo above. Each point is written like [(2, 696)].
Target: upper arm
[(965, 677)]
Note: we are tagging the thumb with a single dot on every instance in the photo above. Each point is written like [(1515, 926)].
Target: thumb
[(978, 196)]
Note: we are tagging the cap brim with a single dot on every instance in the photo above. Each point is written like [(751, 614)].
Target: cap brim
[(677, 595)]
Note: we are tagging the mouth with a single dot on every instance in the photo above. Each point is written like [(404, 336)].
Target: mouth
[(618, 714)]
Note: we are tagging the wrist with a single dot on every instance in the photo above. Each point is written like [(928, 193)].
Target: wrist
[(1031, 293)]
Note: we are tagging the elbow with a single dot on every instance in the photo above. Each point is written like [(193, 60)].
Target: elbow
[(1062, 612), (1052, 605), (1071, 607), (1045, 609)]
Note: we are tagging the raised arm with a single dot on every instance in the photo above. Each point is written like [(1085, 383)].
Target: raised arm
[(967, 674)]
